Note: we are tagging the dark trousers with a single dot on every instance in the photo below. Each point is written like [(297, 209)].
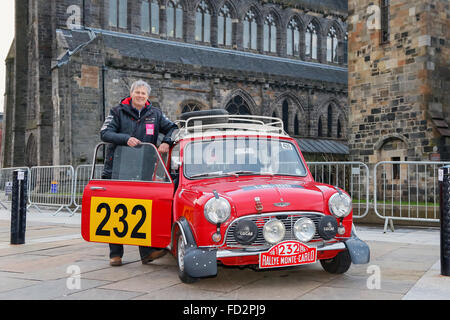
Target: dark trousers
[(116, 250)]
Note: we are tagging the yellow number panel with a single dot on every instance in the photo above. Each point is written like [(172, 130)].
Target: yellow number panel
[(119, 220)]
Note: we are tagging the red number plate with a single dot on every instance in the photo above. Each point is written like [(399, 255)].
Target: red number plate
[(287, 253)]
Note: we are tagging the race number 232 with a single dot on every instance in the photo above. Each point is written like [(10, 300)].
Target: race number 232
[(119, 220)]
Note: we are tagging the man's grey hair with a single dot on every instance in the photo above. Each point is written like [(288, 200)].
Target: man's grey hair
[(141, 83)]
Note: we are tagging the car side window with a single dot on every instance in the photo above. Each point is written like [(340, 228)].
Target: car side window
[(140, 163)]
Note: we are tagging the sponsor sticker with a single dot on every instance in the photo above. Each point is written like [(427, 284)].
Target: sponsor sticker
[(287, 253), (149, 128)]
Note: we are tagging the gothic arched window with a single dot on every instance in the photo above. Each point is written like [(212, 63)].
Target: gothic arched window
[(345, 47), (332, 45), (118, 16), (285, 115), (270, 34), (319, 127), (224, 27), (385, 21), (330, 121), (293, 38), (250, 36), (203, 22), (339, 129), (238, 105), (190, 106), (174, 19), (296, 126), (150, 16), (311, 41)]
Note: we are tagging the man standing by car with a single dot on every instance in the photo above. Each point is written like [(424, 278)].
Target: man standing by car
[(131, 122)]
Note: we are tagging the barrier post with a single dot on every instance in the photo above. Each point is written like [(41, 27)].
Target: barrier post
[(19, 206), (444, 181)]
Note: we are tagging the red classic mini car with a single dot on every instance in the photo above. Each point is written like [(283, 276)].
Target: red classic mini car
[(233, 190)]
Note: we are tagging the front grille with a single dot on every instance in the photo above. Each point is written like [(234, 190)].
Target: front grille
[(288, 220)]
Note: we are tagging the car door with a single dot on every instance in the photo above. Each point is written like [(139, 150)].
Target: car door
[(131, 201)]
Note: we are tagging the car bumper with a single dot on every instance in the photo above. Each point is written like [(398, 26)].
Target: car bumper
[(225, 253)]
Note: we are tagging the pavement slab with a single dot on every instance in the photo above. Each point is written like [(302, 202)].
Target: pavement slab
[(404, 265)]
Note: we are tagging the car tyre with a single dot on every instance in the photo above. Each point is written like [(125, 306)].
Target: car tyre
[(180, 253), (339, 264)]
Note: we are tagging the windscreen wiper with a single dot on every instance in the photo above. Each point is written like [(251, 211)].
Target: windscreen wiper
[(239, 172), (207, 174)]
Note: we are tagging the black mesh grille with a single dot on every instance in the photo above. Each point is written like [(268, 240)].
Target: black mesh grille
[(288, 220)]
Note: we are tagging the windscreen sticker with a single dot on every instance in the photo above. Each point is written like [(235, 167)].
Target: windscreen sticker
[(270, 186), (286, 146)]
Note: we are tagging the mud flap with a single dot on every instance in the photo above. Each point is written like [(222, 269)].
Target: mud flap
[(199, 263), (359, 250)]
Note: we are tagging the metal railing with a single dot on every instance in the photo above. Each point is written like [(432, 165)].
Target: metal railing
[(82, 176), (51, 186), (406, 190), (6, 178), (352, 177)]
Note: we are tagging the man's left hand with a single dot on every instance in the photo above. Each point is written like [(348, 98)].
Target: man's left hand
[(163, 147)]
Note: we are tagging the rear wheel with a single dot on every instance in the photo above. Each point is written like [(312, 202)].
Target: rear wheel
[(339, 264), (181, 252)]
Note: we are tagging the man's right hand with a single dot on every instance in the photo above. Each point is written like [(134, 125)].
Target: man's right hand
[(133, 142)]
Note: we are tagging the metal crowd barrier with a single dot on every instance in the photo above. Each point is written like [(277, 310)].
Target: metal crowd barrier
[(406, 190), (353, 177), (82, 177), (51, 186), (6, 180)]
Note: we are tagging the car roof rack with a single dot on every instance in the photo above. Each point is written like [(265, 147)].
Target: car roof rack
[(201, 124)]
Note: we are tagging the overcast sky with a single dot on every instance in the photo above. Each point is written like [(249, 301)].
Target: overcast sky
[(6, 38)]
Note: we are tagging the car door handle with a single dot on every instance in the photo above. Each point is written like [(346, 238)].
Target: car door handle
[(98, 188)]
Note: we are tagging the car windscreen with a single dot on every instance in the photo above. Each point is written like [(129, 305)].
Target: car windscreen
[(242, 156)]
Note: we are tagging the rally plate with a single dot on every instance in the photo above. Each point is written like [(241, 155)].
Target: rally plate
[(286, 254), (120, 220)]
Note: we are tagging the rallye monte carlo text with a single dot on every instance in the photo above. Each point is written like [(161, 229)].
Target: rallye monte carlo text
[(233, 190)]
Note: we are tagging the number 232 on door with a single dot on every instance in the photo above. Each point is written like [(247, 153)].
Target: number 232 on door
[(119, 220)]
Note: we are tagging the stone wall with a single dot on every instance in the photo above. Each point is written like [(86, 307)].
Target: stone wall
[(399, 89), (85, 80), (61, 96)]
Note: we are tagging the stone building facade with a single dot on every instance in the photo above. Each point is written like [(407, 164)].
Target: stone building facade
[(399, 80), (73, 60)]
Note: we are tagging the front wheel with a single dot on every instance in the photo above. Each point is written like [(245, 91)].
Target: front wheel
[(339, 264), (181, 251)]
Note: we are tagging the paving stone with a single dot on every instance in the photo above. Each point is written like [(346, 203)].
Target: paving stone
[(46, 290), (147, 282), (101, 294), (333, 293), (39, 270), (9, 282), (182, 292)]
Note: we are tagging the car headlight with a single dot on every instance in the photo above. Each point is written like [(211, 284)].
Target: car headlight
[(274, 231), (340, 205), (304, 229), (217, 210)]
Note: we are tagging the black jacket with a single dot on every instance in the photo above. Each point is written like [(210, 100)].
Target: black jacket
[(124, 122)]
